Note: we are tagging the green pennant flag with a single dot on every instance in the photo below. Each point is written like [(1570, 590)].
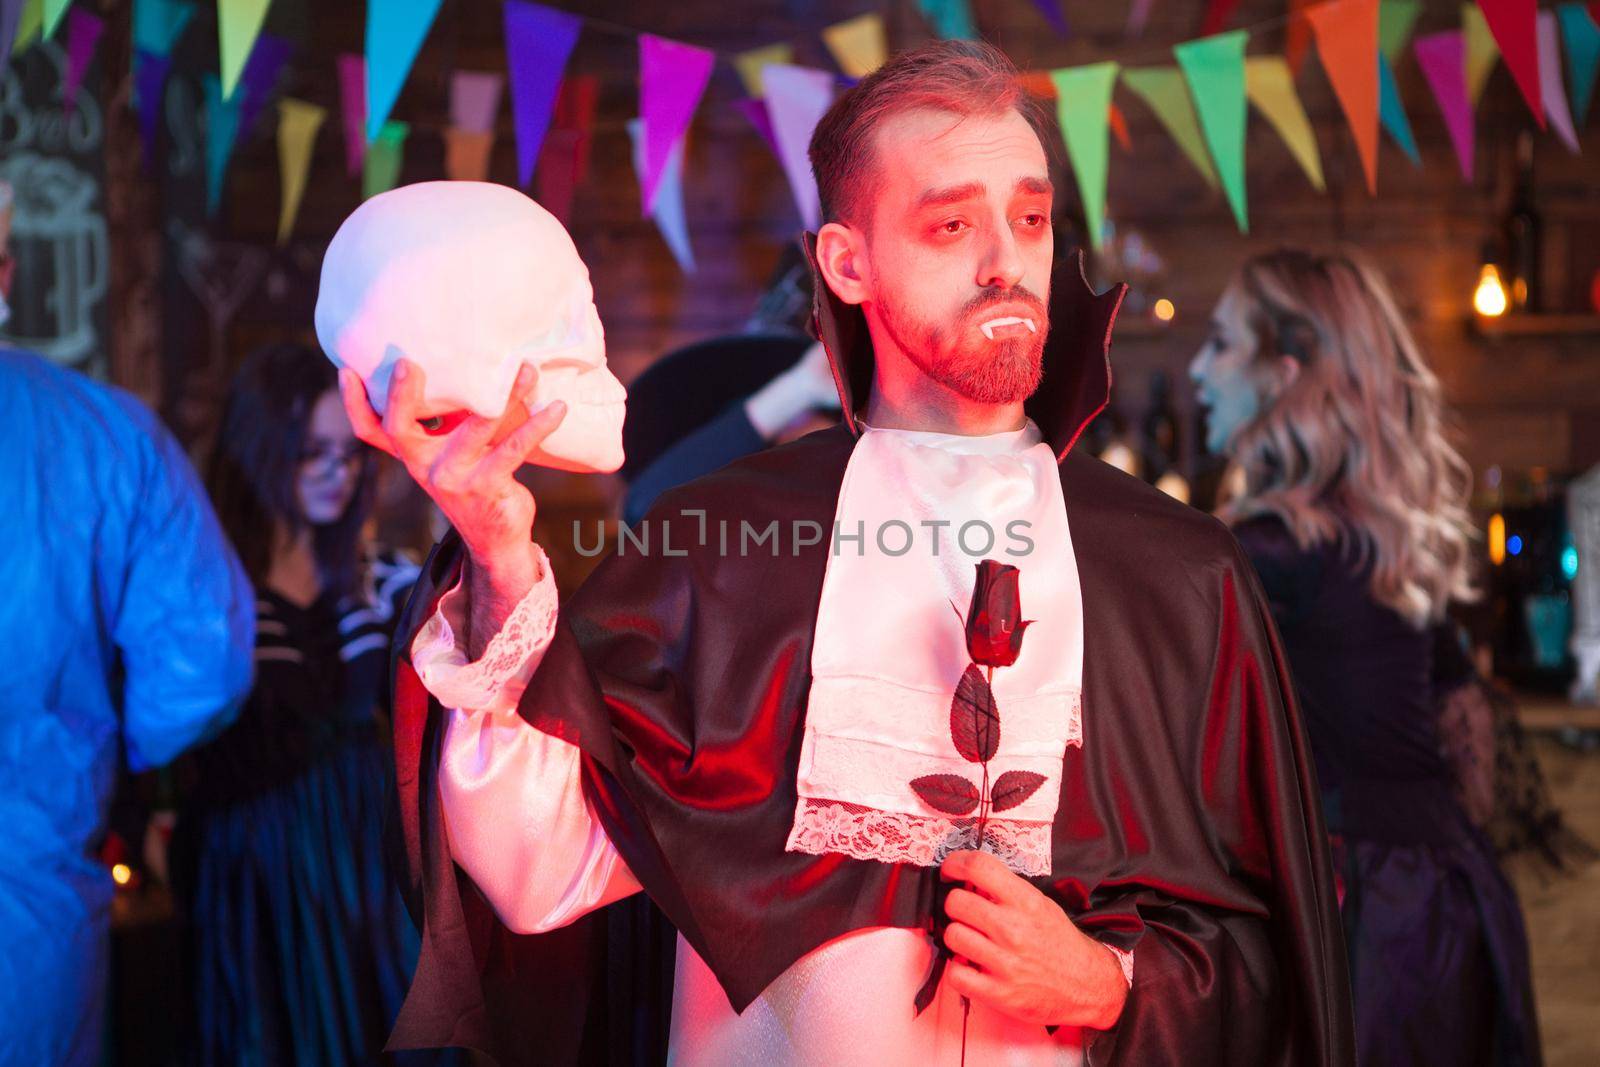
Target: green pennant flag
[(238, 26), (1396, 20), (1083, 105), (381, 168), (1163, 91), (1581, 37), (1215, 69), (54, 11)]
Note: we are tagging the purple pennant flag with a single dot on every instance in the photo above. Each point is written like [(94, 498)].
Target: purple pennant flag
[(797, 97), (1138, 14), (1051, 10), (150, 73), (756, 111), (260, 76), (672, 78), (10, 15), (474, 99), (1443, 58), (83, 33), (353, 101), (538, 42)]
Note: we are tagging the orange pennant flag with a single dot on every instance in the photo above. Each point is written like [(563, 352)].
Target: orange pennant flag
[(1297, 35), (466, 154), (1119, 126), (1346, 33)]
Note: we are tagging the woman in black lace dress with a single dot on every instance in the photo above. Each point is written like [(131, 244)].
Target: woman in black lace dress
[(1354, 512), (301, 947)]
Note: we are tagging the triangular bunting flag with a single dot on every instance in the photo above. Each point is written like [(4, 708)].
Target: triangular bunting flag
[(1555, 98), (298, 122), (1119, 127), (238, 23), (1217, 14), (1346, 33), (353, 107), (756, 112), (1138, 15), (1214, 67), (29, 25), (1396, 20), (1083, 107), (539, 40), (668, 213), (54, 11), (466, 154), (1513, 24), (1051, 10), (395, 32), (1297, 35), (796, 98), (565, 159), (157, 24), (260, 78), (150, 72), (222, 129), (1270, 85), (1392, 113), (857, 44), (83, 34), (672, 78), (1582, 38), (1482, 52), (750, 65), (950, 19), (10, 16), (1164, 91), (381, 169), (474, 100), (1443, 59)]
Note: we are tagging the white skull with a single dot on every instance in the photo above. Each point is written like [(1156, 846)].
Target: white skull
[(469, 280)]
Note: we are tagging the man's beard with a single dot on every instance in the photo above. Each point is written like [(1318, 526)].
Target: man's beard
[(960, 358)]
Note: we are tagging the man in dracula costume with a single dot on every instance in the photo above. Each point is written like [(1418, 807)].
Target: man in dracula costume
[(888, 831)]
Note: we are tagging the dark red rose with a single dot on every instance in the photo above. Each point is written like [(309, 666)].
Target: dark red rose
[(994, 622)]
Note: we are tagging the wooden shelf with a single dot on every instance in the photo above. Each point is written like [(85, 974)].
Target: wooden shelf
[(1537, 325)]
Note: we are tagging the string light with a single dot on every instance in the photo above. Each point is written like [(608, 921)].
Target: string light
[(1489, 299), (1497, 539), (121, 874), (1164, 310)]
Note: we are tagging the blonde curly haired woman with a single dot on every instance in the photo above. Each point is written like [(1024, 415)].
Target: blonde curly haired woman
[(1353, 509)]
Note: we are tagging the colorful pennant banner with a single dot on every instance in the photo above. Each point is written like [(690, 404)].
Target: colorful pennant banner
[(395, 32), (83, 34), (1346, 34), (539, 41), (857, 45), (672, 78), (796, 98), (222, 130), (750, 65), (1482, 52), (298, 123), (667, 212), (1269, 83), (1443, 59), (1163, 90), (1553, 97), (238, 24), (381, 169), (1514, 27), (1083, 104), (1214, 67), (474, 100), (353, 106), (565, 159), (1581, 36)]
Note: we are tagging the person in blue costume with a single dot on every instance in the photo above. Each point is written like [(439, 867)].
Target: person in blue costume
[(127, 626), (299, 944), (1354, 513)]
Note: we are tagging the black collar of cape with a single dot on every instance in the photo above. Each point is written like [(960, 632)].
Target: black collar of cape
[(1076, 384)]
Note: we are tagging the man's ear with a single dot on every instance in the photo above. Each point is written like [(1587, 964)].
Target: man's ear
[(841, 256)]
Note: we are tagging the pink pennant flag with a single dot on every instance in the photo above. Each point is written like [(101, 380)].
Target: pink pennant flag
[(672, 78), (1443, 59), (83, 33), (1138, 15), (353, 101), (474, 100), (1550, 88), (797, 97), (1512, 23), (756, 111)]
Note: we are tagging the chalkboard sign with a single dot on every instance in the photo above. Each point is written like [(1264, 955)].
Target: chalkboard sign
[(54, 159)]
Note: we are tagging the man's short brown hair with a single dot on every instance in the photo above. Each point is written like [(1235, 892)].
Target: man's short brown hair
[(962, 77)]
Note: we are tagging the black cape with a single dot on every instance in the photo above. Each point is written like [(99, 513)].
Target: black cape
[(1188, 830)]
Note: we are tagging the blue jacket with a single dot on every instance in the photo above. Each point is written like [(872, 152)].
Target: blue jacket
[(126, 630)]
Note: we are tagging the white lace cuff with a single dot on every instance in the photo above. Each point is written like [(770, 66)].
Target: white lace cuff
[(1125, 959), (498, 677)]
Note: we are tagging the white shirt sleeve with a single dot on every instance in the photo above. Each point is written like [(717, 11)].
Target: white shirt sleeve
[(514, 809)]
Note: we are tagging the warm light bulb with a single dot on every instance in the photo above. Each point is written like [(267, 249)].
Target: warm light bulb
[(1497, 539), (121, 874), (1489, 299), (1164, 310)]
